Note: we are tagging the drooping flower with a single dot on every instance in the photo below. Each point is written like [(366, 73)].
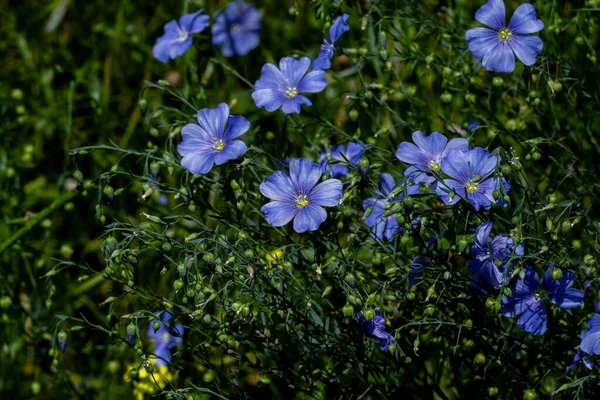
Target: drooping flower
[(470, 178), (351, 153), (490, 258), (282, 87), (237, 29), (385, 226), (499, 45), (337, 29), (579, 357), (528, 305), (296, 197), (165, 338), (376, 328), (590, 339), (208, 142), (426, 155), (177, 37)]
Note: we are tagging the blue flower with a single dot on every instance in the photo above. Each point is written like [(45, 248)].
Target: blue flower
[(208, 143), (590, 339), (337, 29), (489, 263), (426, 156), (165, 338), (579, 357), (381, 224), (296, 197), (236, 30), (528, 305), (470, 178), (376, 328), (351, 153), (497, 45), (281, 87), (177, 40), (472, 126)]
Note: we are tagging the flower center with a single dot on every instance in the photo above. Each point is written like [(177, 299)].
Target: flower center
[(291, 92), (220, 145), (302, 201), (434, 165), (235, 28), (472, 187), (505, 34)]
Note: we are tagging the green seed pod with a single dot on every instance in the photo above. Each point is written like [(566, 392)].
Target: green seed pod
[(492, 391), (368, 313), (446, 97), (497, 81), (156, 325), (178, 284), (480, 359)]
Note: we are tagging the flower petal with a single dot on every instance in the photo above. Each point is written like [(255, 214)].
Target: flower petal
[(194, 23), (524, 21), (270, 78), (326, 194), (294, 104), (280, 213), (456, 166), (213, 120), (526, 48), (293, 70), (411, 154), (534, 319), (492, 14), (237, 127), (387, 183), (278, 187), (323, 60), (481, 40), (338, 28), (270, 99), (304, 175), (199, 163), (231, 151), (309, 218), (313, 82), (499, 58)]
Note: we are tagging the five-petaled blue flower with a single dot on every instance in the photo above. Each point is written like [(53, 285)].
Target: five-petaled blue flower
[(296, 197), (351, 153), (579, 357), (208, 143), (177, 40), (426, 156), (385, 226), (527, 304), (236, 30), (165, 338), (489, 263), (497, 45), (470, 178), (337, 29), (282, 87), (590, 339), (376, 328)]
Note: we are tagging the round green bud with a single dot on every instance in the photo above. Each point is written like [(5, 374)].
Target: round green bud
[(492, 391), (166, 246), (588, 259), (446, 97), (529, 394), (579, 40), (468, 324), (480, 359), (348, 310), (178, 284), (576, 243), (368, 313), (5, 302), (410, 296), (35, 387), (16, 94), (353, 114), (497, 81)]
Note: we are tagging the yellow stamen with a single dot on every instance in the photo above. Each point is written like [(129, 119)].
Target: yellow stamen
[(220, 145), (472, 187), (434, 165), (505, 34), (302, 201), (291, 92)]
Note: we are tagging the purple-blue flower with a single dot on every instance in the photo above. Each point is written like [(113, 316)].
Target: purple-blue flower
[(165, 338), (590, 339), (296, 197), (426, 155), (527, 304), (351, 153), (282, 87), (579, 357), (208, 142), (382, 225), (470, 178), (499, 45), (490, 258), (337, 29), (376, 328), (236, 30), (177, 37)]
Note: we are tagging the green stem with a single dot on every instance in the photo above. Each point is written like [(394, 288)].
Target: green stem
[(38, 218)]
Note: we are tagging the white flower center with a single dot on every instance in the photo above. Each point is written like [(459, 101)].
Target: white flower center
[(220, 145), (472, 187), (505, 34), (291, 92), (302, 201), (434, 165)]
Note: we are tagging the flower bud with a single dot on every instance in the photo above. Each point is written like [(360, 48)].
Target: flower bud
[(178, 284), (556, 273), (348, 310), (368, 313), (62, 340), (480, 359)]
